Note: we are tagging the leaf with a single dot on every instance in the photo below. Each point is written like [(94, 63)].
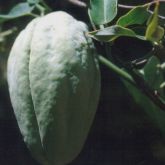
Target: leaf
[(154, 32), (19, 10), (110, 33), (137, 15), (102, 11), (152, 74), (157, 35), (153, 77)]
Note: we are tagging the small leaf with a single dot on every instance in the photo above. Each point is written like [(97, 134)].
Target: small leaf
[(19, 10), (102, 11), (152, 74), (137, 15), (154, 32), (110, 33)]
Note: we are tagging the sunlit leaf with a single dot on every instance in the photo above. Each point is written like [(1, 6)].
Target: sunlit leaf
[(19, 10), (157, 35), (102, 11), (137, 15), (154, 32), (112, 32)]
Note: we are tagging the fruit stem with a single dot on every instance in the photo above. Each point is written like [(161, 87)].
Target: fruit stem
[(46, 6), (41, 9)]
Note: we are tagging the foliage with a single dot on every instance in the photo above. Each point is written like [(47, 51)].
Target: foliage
[(146, 85)]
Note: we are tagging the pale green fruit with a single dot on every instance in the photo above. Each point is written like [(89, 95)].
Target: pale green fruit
[(54, 85)]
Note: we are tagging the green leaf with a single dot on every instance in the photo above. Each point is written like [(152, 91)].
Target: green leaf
[(154, 32), (137, 15), (102, 11), (19, 10), (110, 33), (152, 74), (154, 78)]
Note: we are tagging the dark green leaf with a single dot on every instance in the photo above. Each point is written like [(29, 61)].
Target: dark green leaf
[(110, 33), (152, 75), (102, 11), (137, 15), (19, 10)]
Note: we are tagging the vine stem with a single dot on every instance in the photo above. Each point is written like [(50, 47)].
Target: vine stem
[(137, 81)]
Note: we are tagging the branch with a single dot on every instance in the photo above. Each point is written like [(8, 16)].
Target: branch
[(149, 4), (136, 80)]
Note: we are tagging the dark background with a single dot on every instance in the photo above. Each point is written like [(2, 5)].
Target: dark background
[(121, 134)]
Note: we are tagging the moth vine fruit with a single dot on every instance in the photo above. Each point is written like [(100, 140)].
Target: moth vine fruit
[(54, 85)]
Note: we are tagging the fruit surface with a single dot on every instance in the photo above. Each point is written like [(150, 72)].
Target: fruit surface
[(54, 85)]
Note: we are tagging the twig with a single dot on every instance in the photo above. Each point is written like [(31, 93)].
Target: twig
[(150, 93), (147, 4), (131, 7), (78, 3), (8, 32), (160, 16), (126, 6)]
